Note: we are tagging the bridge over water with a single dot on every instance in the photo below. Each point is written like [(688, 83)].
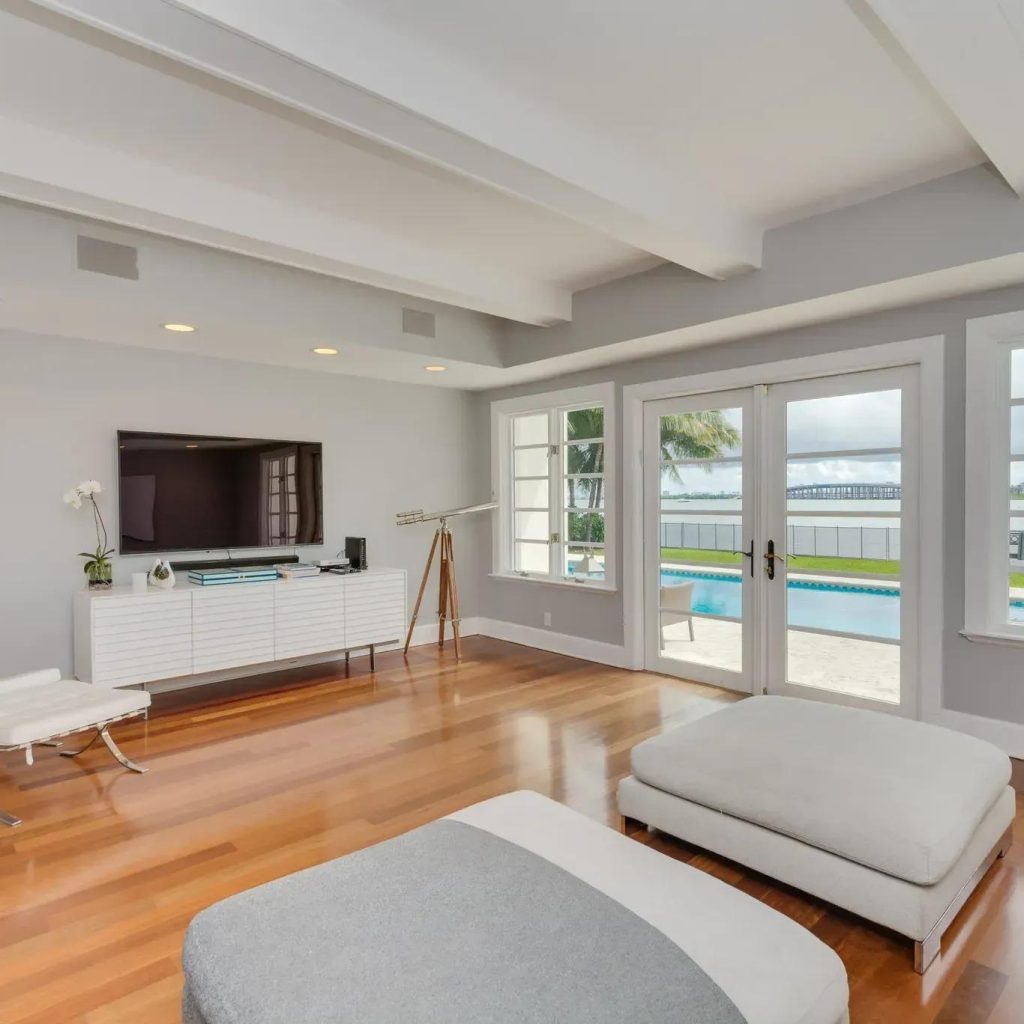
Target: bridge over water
[(851, 491)]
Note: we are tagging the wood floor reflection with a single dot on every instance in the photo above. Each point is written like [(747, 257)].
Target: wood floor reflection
[(254, 779)]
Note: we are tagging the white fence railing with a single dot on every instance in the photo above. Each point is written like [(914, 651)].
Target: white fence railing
[(877, 542)]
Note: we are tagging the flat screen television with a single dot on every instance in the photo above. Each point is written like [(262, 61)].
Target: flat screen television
[(185, 492)]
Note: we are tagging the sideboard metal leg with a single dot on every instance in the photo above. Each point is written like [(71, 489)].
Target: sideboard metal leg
[(372, 667)]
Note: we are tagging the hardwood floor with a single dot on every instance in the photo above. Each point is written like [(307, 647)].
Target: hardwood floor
[(254, 779)]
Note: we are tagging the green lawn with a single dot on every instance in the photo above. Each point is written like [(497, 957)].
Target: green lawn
[(1017, 579), (807, 562)]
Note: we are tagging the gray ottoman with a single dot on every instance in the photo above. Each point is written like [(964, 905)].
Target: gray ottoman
[(892, 819), (514, 910)]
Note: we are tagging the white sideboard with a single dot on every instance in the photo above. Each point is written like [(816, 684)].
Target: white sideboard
[(123, 638)]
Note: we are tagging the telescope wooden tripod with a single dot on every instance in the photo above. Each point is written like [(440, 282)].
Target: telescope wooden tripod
[(447, 590)]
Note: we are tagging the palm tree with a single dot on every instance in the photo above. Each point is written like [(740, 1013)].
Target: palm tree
[(695, 435), (692, 435)]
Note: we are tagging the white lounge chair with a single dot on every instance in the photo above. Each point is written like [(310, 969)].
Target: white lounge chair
[(37, 708), (676, 603)]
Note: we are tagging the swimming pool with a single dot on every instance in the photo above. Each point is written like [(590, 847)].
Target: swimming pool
[(848, 607)]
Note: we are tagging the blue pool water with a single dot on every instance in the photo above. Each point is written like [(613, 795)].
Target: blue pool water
[(848, 607)]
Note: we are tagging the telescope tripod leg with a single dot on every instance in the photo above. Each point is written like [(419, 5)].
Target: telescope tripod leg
[(419, 596), (442, 587), (453, 598)]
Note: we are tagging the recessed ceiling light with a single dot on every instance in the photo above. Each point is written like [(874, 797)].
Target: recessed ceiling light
[(324, 350), (179, 328), (435, 369), (191, 446)]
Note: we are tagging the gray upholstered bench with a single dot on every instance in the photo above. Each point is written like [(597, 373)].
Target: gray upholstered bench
[(894, 820), (514, 910)]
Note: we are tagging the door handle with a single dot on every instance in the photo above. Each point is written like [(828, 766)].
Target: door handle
[(770, 558), (748, 554)]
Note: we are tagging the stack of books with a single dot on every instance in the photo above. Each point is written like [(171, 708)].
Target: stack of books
[(296, 570), (226, 574)]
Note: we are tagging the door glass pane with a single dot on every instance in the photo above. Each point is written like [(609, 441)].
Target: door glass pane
[(701, 538), (844, 422), (1017, 430), (842, 545), (706, 434), (701, 605), (1017, 373), (707, 485), (532, 558)]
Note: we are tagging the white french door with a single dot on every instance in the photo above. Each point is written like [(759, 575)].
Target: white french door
[(700, 579), (781, 526)]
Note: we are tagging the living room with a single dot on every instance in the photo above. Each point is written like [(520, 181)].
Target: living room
[(439, 462)]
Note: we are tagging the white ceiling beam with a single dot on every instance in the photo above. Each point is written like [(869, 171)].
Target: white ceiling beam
[(52, 169), (972, 54), (325, 58)]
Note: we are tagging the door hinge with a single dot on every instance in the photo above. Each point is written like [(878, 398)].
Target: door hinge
[(555, 538), (554, 449)]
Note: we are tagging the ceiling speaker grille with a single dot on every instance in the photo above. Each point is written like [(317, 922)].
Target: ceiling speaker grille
[(99, 256), (415, 321)]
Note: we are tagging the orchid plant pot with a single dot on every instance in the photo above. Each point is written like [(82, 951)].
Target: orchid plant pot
[(100, 574), (98, 569)]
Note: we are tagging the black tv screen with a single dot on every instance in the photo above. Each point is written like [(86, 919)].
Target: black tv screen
[(184, 492)]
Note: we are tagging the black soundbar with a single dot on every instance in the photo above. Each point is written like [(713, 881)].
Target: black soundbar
[(230, 563)]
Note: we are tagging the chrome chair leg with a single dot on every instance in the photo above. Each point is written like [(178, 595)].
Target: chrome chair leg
[(9, 819), (81, 750), (108, 742), (116, 751)]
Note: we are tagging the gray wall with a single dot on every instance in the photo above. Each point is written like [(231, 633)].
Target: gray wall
[(387, 447), (979, 679)]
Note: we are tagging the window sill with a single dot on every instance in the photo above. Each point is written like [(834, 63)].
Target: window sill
[(583, 588), (1002, 639)]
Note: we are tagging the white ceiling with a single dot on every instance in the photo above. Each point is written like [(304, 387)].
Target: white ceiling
[(788, 107), (494, 157)]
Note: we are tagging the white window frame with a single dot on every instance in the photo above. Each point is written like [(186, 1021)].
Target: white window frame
[(552, 402), (990, 340)]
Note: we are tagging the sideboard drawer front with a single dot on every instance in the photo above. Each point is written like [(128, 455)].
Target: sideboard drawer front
[(232, 625), (374, 609), (148, 672), (141, 638), (115, 614), (147, 663)]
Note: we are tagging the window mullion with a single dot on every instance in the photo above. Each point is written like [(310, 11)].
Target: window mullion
[(554, 489)]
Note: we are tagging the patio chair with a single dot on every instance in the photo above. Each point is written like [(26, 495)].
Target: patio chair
[(676, 605)]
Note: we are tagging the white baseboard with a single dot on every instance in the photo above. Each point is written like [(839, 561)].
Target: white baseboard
[(1008, 736), (557, 643)]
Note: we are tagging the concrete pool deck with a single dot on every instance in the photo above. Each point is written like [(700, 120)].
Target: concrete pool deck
[(859, 668)]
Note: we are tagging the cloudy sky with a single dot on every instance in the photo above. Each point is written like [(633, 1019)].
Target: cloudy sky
[(836, 424)]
